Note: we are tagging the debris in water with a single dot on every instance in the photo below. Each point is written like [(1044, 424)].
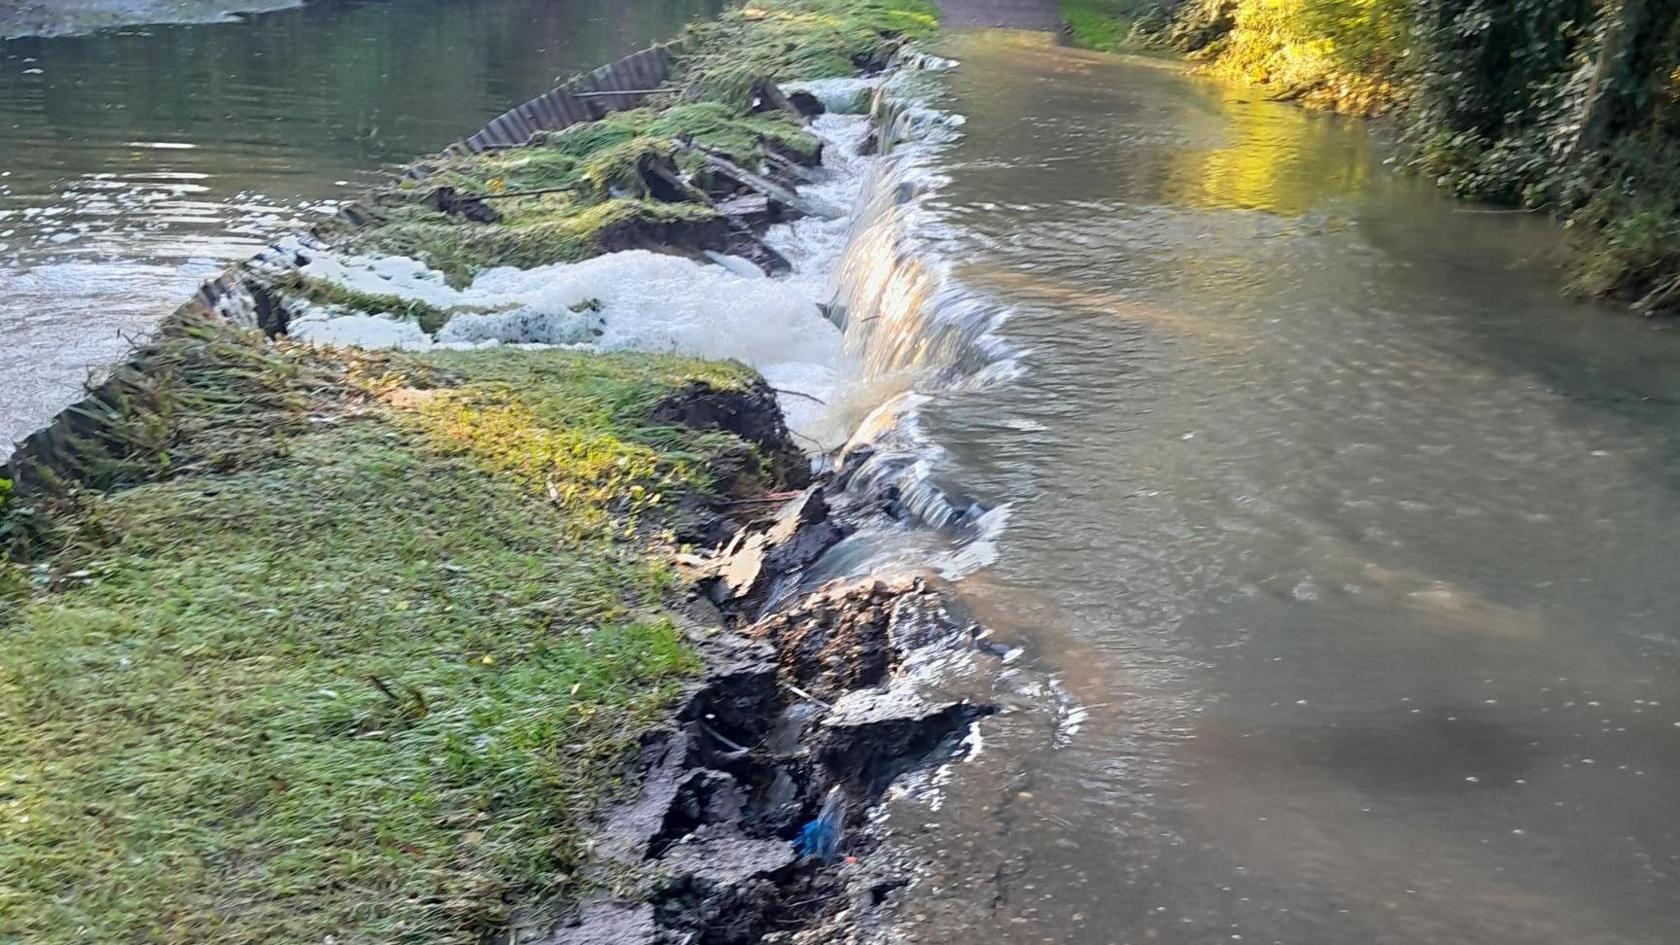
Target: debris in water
[(820, 839)]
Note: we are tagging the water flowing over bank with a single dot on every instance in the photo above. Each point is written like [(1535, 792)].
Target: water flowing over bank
[(136, 163), (1336, 545)]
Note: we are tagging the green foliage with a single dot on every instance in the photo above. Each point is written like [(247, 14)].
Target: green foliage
[(1344, 53), (1113, 25), (372, 686), (1571, 105), (549, 229), (798, 39)]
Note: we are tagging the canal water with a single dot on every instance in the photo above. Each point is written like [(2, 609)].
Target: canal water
[(1344, 542), (1331, 547), (136, 162)]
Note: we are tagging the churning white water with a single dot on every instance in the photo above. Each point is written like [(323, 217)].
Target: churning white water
[(826, 335)]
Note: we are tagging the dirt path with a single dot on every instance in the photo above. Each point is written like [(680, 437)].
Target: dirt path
[(1016, 14)]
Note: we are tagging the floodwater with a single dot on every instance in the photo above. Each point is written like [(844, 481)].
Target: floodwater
[(135, 163), (1348, 542)]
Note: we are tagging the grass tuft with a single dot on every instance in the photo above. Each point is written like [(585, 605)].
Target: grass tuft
[(799, 39)]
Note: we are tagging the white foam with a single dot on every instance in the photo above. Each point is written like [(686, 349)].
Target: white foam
[(843, 96), (635, 300), (360, 331), (638, 300)]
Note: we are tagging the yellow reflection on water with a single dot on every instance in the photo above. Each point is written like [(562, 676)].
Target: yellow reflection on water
[(1276, 158)]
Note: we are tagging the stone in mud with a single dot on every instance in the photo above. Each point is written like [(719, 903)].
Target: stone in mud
[(874, 736), (847, 636), (740, 693), (743, 242), (449, 201), (690, 237), (806, 104), (709, 862), (753, 211), (767, 96), (838, 638), (631, 831), (608, 922), (786, 546)]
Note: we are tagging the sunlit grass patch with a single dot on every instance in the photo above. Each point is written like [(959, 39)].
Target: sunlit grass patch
[(572, 426)]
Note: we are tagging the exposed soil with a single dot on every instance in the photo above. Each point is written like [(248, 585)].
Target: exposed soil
[(726, 788)]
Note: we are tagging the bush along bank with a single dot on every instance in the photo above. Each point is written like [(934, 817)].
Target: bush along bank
[(466, 643), (1564, 106)]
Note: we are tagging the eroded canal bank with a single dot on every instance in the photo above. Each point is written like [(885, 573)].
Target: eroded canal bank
[(1300, 552), (492, 571)]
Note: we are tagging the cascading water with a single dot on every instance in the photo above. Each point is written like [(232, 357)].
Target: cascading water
[(911, 329), (899, 330)]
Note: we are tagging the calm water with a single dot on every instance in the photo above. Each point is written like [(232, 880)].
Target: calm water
[(134, 163), (1353, 540)]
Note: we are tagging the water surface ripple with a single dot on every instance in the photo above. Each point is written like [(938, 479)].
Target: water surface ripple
[(1350, 541)]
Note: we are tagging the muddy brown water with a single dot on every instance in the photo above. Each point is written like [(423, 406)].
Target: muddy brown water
[(1350, 540), (136, 162)]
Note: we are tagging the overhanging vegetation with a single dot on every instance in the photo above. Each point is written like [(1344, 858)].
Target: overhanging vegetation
[(1568, 106)]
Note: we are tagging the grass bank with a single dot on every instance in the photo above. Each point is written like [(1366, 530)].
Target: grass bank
[(1564, 106), (306, 646), (359, 663)]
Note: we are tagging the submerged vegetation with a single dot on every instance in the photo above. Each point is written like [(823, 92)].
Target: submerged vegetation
[(1567, 106), (305, 645)]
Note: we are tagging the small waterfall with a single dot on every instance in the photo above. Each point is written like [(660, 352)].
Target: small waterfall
[(912, 330)]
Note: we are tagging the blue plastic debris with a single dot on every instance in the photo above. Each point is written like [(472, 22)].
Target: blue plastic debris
[(820, 838)]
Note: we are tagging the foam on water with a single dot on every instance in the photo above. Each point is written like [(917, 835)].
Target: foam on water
[(904, 326), (629, 301), (644, 301), (363, 331)]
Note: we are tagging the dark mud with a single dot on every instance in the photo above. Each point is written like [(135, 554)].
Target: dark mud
[(805, 697)]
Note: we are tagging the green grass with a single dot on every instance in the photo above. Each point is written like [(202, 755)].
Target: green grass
[(588, 174), (1104, 25), (798, 39), (591, 157), (554, 228), (588, 177), (369, 684), (307, 646)]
